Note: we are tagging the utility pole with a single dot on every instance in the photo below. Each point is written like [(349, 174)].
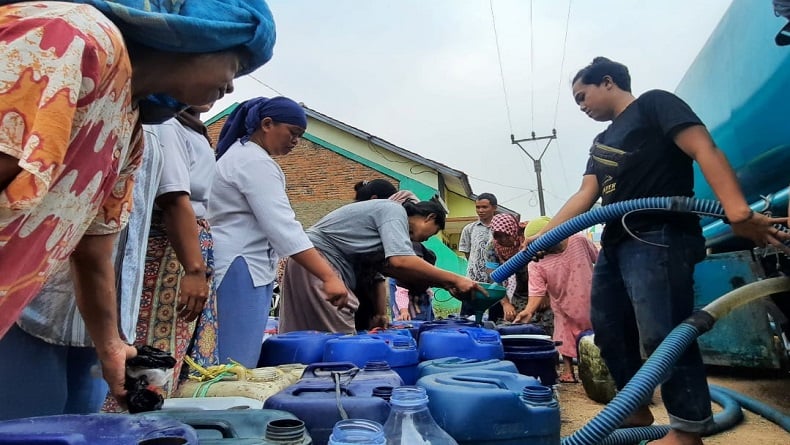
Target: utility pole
[(536, 161)]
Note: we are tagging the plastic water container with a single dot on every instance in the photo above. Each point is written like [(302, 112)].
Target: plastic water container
[(446, 323), (399, 351), (453, 364), (493, 407), (534, 356), (520, 329), (315, 401), (96, 429), (413, 326), (593, 372), (465, 342), (212, 403), (376, 378), (258, 383), (270, 425), (391, 331), (294, 347), (357, 432)]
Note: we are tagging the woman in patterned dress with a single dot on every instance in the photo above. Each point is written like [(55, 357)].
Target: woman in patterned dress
[(73, 90)]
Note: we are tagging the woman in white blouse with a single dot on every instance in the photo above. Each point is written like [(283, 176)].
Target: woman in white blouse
[(254, 225)]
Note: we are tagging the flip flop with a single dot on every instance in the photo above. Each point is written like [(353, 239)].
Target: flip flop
[(573, 380)]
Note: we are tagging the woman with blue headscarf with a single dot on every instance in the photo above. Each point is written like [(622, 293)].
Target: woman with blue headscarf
[(76, 81), (254, 225)]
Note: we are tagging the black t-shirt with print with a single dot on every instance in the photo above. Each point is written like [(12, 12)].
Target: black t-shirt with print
[(636, 157)]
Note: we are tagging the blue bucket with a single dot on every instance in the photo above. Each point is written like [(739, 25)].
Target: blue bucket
[(535, 357), (96, 429), (465, 342), (520, 329), (446, 323)]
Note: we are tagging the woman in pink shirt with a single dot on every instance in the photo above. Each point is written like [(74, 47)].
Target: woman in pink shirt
[(564, 277)]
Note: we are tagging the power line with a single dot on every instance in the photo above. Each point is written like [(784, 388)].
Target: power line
[(501, 71), (265, 84), (562, 63), (500, 184), (531, 67)]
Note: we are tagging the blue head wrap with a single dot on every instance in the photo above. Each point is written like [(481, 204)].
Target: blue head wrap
[(195, 26), (247, 117)]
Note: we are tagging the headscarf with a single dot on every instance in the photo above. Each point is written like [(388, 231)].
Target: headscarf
[(507, 224), (403, 196), (195, 26), (536, 225), (247, 117)]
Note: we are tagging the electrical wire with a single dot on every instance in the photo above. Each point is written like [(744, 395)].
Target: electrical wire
[(265, 84), (531, 67), (562, 63), (501, 70), (562, 165), (502, 185)]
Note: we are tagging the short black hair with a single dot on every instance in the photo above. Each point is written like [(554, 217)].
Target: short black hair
[(425, 208), (601, 67), (489, 196), (381, 188)]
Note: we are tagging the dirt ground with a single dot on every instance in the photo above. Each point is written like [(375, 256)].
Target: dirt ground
[(773, 390)]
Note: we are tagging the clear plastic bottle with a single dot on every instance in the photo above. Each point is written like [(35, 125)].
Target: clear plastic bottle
[(357, 432), (410, 422)]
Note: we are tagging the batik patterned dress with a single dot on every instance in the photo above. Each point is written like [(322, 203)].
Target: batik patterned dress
[(66, 115)]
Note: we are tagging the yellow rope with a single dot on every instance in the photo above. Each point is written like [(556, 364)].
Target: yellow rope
[(212, 372)]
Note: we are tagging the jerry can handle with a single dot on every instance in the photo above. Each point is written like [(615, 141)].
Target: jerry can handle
[(222, 426), (485, 380), (313, 369)]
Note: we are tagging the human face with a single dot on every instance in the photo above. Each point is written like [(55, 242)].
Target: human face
[(204, 78), (202, 108), (279, 138), (422, 227), (593, 100), (504, 239), (485, 211)]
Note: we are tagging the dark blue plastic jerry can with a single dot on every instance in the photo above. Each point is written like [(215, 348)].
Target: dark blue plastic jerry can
[(493, 408), (452, 364), (303, 347), (399, 351), (465, 342)]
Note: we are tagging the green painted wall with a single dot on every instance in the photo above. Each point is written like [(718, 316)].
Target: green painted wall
[(460, 206), (375, 156)]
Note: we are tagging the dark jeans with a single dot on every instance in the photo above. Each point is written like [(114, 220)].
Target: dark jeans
[(44, 379), (647, 290)]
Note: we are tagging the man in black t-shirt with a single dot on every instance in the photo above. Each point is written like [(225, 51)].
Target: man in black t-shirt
[(642, 288)]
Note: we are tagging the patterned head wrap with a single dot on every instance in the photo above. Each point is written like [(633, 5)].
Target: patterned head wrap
[(247, 117), (195, 26), (507, 224)]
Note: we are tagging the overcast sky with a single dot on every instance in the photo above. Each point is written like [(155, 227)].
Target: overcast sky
[(424, 75)]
